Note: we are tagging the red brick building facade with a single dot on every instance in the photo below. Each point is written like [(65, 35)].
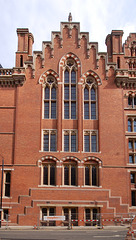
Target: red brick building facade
[(68, 128)]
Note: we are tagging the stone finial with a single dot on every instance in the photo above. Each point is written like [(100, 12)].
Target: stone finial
[(70, 17)]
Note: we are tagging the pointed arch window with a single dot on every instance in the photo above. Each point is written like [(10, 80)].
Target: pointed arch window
[(50, 99), (70, 89), (90, 100)]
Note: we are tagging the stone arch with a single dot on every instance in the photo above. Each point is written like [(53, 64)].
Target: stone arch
[(70, 55), (47, 157), (44, 75), (92, 158), (71, 158), (92, 74), (131, 93)]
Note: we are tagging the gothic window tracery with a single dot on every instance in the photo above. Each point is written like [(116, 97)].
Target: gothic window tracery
[(90, 99), (70, 89), (50, 97)]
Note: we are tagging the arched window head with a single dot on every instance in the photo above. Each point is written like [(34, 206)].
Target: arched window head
[(70, 89), (49, 173), (132, 101), (91, 173), (90, 99), (50, 98), (70, 173)]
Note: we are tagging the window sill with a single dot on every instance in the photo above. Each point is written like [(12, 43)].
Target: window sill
[(48, 151), (48, 186), (69, 186), (4, 197), (90, 186), (132, 207)]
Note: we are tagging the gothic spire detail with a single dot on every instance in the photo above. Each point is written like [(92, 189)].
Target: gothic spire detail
[(70, 17)]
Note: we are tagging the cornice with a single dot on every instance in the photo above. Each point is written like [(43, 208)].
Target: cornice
[(125, 78), (12, 77)]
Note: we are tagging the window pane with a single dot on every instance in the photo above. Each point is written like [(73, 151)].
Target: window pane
[(46, 109), (93, 110), (132, 176), (51, 212), (73, 175), (73, 76), (66, 77), (94, 176), (66, 143), (8, 174), (53, 143), (66, 175), (5, 214), (66, 110), (86, 94), (47, 92), (134, 100), (130, 159), (46, 142), (129, 100), (93, 143), (86, 110), (130, 144), (73, 143), (93, 95), (130, 126), (73, 110), (87, 175), (53, 93), (73, 92), (44, 212), (66, 214), (73, 213), (87, 214), (53, 110), (45, 175), (133, 198), (7, 189), (66, 92), (52, 175), (135, 144), (95, 210), (86, 143), (134, 126)]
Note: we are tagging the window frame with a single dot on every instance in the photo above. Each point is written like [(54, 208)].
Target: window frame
[(70, 66), (90, 133), (90, 84), (70, 133), (50, 84), (131, 123), (91, 216), (69, 164), (49, 133), (90, 165), (7, 184), (48, 164), (132, 150)]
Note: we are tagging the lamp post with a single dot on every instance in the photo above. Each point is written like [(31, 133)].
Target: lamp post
[(1, 190)]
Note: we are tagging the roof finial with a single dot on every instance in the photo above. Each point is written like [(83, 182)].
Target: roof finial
[(70, 17)]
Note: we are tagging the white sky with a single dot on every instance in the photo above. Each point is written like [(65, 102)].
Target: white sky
[(98, 17)]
